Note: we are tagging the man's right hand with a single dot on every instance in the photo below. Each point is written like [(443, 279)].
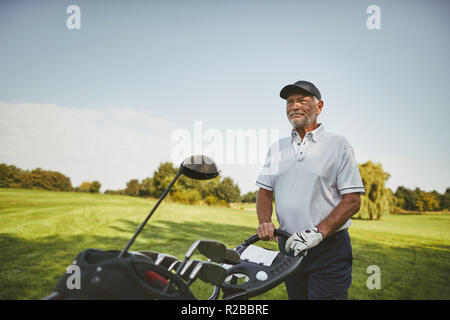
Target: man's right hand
[(265, 231)]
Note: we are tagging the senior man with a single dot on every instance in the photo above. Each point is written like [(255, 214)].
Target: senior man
[(317, 187)]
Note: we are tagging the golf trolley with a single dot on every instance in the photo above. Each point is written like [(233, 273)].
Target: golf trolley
[(151, 275)]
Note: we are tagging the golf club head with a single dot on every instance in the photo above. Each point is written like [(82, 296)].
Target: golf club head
[(212, 273), (199, 167), (193, 275), (212, 249), (165, 260), (173, 265), (187, 269), (232, 257), (151, 254), (191, 249)]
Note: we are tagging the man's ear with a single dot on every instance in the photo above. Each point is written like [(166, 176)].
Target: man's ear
[(319, 107)]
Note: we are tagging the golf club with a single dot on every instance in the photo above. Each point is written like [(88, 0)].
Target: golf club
[(190, 265), (211, 249), (208, 272), (151, 254), (194, 273), (231, 257), (212, 273), (195, 167), (188, 269), (173, 265), (166, 260)]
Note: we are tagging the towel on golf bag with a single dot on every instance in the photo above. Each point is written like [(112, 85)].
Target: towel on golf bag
[(105, 276)]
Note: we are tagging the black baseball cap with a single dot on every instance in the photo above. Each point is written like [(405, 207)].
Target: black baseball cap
[(300, 86)]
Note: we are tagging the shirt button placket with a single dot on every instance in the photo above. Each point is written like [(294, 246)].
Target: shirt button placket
[(301, 151)]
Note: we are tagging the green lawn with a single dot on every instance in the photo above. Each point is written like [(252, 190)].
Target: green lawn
[(41, 232)]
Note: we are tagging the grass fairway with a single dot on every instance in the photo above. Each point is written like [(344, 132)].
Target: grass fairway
[(41, 232)]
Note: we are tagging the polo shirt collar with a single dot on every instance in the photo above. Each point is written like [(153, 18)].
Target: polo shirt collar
[(315, 134)]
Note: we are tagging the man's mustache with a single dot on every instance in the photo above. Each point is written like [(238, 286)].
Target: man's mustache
[(293, 113)]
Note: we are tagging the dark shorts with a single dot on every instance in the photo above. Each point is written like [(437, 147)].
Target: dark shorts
[(326, 272)]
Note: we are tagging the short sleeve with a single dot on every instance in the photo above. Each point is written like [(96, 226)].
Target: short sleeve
[(348, 176), (265, 179)]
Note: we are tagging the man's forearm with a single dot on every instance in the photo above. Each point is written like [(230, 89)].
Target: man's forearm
[(348, 206), (266, 228), (264, 206)]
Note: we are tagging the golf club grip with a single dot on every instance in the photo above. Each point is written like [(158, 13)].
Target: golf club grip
[(276, 233)]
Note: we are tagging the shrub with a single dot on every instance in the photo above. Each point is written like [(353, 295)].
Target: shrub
[(186, 196)]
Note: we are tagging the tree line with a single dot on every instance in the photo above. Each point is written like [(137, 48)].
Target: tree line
[(39, 179), (378, 200), (13, 177), (419, 200), (217, 191)]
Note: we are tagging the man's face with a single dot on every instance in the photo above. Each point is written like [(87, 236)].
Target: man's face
[(302, 110)]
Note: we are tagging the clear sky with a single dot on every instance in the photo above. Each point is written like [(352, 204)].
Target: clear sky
[(103, 102)]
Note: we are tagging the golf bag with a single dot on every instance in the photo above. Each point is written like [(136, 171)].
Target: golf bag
[(124, 275), (134, 276)]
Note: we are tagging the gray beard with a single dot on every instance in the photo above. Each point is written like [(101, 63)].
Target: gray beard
[(306, 121), (302, 124)]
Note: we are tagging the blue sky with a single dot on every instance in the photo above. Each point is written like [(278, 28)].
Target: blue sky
[(102, 102)]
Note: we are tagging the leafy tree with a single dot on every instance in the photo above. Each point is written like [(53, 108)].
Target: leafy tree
[(224, 190), (249, 197), (85, 186), (407, 198), (229, 190), (162, 178), (10, 176), (132, 188), (191, 196), (378, 200), (91, 187), (419, 200), (445, 200), (95, 187), (208, 187), (146, 188), (426, 201), (26, 180), (185, 183), (212, 200), (49, 180)]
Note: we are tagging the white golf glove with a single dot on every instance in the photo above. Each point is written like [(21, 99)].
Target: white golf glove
[(307, 239)]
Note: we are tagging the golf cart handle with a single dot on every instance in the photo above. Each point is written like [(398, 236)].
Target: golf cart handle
[(259, 277), (276, 233)]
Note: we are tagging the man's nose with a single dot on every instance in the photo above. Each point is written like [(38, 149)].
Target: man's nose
[(296, 106)]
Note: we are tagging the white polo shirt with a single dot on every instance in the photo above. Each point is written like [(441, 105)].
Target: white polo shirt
[(309, 177)]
